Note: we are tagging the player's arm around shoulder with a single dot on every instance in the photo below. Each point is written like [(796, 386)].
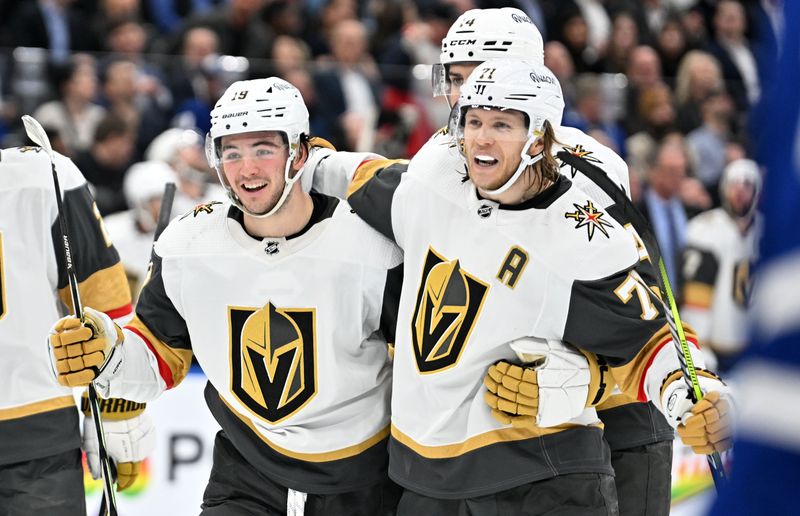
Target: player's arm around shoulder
[(329, 171)]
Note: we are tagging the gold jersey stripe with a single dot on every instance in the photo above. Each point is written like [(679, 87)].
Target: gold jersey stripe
[(37, 408), (697, 294), (616, 400), (630, 377), (367, 170), (105, 290), (502, 435), (343, 453)]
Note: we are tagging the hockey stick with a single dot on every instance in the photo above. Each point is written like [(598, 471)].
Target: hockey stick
[(36, 133), (165, 211), (163, 219), (642, 227)]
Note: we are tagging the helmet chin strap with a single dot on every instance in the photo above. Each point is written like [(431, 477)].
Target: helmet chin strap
[(526, 160), (287, 187)]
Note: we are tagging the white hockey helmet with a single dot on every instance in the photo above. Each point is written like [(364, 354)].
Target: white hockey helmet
[(523, 86), (143, 182), (482, 34), (741, 171), (270, 104), (165, 146)]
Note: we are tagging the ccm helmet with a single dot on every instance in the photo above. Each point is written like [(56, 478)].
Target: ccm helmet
[(482, 34), (270, 104)]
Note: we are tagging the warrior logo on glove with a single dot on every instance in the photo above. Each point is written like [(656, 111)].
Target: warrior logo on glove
[(273, 359), (449, 301)]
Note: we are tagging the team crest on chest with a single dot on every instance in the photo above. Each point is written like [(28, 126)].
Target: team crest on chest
[(449, 302), (589, 217), (580, 152), (273, 359)]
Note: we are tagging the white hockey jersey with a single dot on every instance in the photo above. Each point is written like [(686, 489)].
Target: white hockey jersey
[(478, 275), (716, 267), (289, 333), (37, 415)]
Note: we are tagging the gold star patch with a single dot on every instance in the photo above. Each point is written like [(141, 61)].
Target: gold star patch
[(589, 217), (580, 152), (201, 208)]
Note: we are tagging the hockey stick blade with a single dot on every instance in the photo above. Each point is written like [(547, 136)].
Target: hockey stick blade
[(632, 215)]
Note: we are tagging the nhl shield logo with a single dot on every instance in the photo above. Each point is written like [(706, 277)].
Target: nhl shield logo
[(449, 301), (272, 247), (273, 359), (484, 211)]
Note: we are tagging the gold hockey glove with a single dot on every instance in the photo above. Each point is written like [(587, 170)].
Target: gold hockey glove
[(80, 352), (708, 428)]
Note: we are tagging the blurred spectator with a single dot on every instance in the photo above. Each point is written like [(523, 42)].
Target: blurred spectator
[(588, 112), (240, 29), (699, 76), (644, 72), (558, 60), (288, 53), (671, 47), (73, 114), (573, 32), (127, 38), (352, 85), (732, 50), (658, 117), (51, 24), (598, 24), (661, 203), (106, 161), (168, 14), (694, 27), (186, 75), (109, 13), (705, 142), (126, 95), (624, 38), (320, 32)]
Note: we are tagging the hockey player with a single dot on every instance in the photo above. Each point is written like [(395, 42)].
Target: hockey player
[(721, 248), (279, 295), (639, 437), (513, 256), (132, 231), (40, 458)]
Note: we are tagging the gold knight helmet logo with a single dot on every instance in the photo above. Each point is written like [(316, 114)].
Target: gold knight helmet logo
[(449, 300), (273, 359)]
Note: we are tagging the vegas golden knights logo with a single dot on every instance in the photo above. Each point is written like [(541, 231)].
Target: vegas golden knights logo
[(273, 359), (449, 301)]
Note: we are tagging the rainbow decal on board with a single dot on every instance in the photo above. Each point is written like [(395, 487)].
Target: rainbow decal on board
[(690, 473), (92, 486)]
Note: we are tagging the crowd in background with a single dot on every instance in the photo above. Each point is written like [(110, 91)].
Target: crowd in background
[(667, 84)]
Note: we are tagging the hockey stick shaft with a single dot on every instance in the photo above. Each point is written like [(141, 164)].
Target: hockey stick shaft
[(165, 211), (37, 134), (640, 224)]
